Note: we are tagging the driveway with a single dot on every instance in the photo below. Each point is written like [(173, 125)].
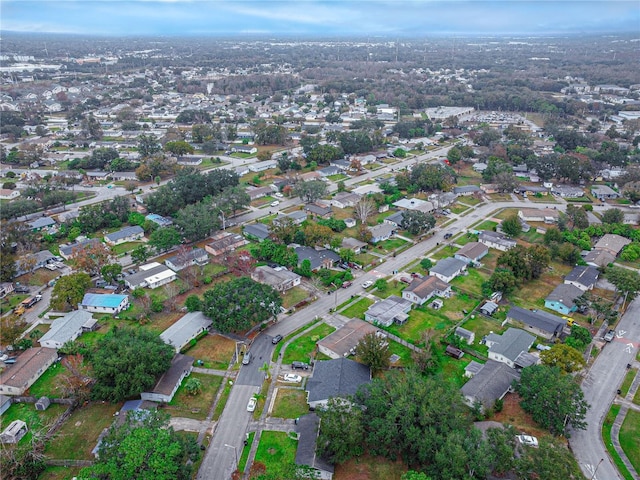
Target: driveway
[(600, 386)]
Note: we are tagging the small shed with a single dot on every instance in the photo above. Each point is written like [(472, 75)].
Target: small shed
[(465, 335), (14, 432), (43, 403), (489, 308), (454, 352)]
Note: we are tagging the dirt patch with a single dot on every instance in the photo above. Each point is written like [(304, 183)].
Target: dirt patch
[(370, 468), (513, 414)]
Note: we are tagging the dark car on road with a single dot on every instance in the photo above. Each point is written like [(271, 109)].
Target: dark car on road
[(276, 339), (300, 365)]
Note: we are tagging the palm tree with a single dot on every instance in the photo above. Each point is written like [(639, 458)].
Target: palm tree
[(193, 386), (266, 368)]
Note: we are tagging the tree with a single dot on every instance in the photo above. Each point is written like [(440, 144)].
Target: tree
[(503, 280), (178, 147), (140, 254), (550, 461), (555, 400), (232, 199), (363, 209), (193, 303), (148, 145), (239, 304), (193, 386), (311, 190), (164, 238), (127, 361), (341, 431), (565, 357), (512, 226), (506, 182), (613, 215), (143, 447), (315, 234), (627, 282), (417, 222), (69, 290), (110, 272), (283, 230), (196, 221), (373, 350), (426, 263), (454, 155), (577, 217), (381, 285)]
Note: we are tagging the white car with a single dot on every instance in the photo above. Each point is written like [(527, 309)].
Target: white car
[(275, 203), (367, 284), (251, 406), (279, 195), (292, 377), (527, 440)]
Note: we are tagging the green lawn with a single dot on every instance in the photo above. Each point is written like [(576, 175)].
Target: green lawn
[(606, 436), (79, 433), (391, 244), (444, 252), (125, 247), (303, 347), (195, 406), (403, 352), (358, 309), (628, 379), (222, 401), (630, 438), (466, 238), (395, 287), (365, 259), (275, 450), (49, 383), (276, 351), (245, 452), (294, 296), (482, 326), (486, 225), (472, 282), (34, 419), (290, 403), (458, 208)]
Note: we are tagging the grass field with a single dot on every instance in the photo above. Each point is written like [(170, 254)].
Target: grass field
[(606, 436), (357, 309), (222, 401), (276, 449), (395, 287), (59, 473), (630, 438), (290, 403), (215, 351), (472, 282), (486, 225), (79, 434), (367, 467), (125, 247), (628, 379), (195, 406), (49, 383), (294, 296), (34, 419), (244, 456), (302, 348)]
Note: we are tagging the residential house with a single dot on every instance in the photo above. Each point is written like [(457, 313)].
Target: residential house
[(6, 288), (491, 383), (319, 258), (41, 223), (598, 258), (467, 336), (496, 240), (67, 329), (585, 278), (415, 204), (543, 324), (342, 164), (567, 191), (353, 244), (187, 328), (308, 428), (472, 252), (225, 242), (159, 220), (420, 290), (479, 167), (187, 258), (151, 275), (489, 188), (127, 234), (345, 339), (546, 215), (72, 249), (104, 303), (381, 232), (511, 347), (307, 176), (448, 268), (345, 199), (9, 194), (124, 176), (337, 378), (329, 171), (260, 166), (170, 381), (249, 150), (29, 366), (259, 192), (279, 278), (391, 309), (14, 432), (466, 190), (612, 244), (562, 298), (256, 231), (318, 210), (189, 160), (531, 190), (297, 217), (40, 260), (395, 219), (603, 192)]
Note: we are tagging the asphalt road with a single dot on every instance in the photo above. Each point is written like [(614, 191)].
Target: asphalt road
[(600, 386)]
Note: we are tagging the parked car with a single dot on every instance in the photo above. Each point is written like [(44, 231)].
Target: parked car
[(300, 365), (276, 339), (610, 335), (247, 358), (448, 235), (21, 289), (367, 284), (527, 440), (292, 377), (251, 406), (278, 194), (9, 361), (406, 280), (275, 203), (346, 284)]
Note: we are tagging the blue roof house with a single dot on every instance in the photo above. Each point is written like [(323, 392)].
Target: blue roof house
[(104, 303)]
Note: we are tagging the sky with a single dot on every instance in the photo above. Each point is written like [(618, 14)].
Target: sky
[(386, 18)]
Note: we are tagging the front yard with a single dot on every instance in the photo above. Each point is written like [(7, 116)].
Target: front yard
[(290, 403), (275, 450), (195, 406), (358, 309), (302, 348), (214, 350)]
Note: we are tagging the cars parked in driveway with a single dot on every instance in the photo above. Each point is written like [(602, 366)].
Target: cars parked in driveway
[(246, 360), (292, 377), (276, 339), (609, 335), (251, 406), (300, 365), (367, 284), (275, 203), (346, 284)]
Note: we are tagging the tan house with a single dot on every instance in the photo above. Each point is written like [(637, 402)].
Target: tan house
[(224, 242), (279, 278), (29, 366)]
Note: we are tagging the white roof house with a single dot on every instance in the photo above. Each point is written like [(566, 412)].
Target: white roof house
[(186, 329), (151, 275), (66, 329)]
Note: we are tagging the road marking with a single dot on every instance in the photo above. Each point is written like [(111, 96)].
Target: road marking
[(629, 348), (621, 333)]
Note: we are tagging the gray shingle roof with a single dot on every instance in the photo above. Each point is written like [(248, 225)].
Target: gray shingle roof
[(564, 294), (490, 383), (511, 343), (541, 320), (336, 378), (307, 429), (258, 230), (586, 276), (448, 266), (124, 233)]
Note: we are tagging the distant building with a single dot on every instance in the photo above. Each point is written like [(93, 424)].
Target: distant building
[(104, 303), (257, 231), (170, 381), (421, 290), (496, 240), (225, 242), (603, 192), (159, 220), (538, 322), (127, 234), (151, 275), (562, 298), (29, 366), (491, 383), (335, 378), (448, 268), (71, 250), (510, 346), (187, 258), (472, 253), (381, 232), (585, 278), (345, 339)]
